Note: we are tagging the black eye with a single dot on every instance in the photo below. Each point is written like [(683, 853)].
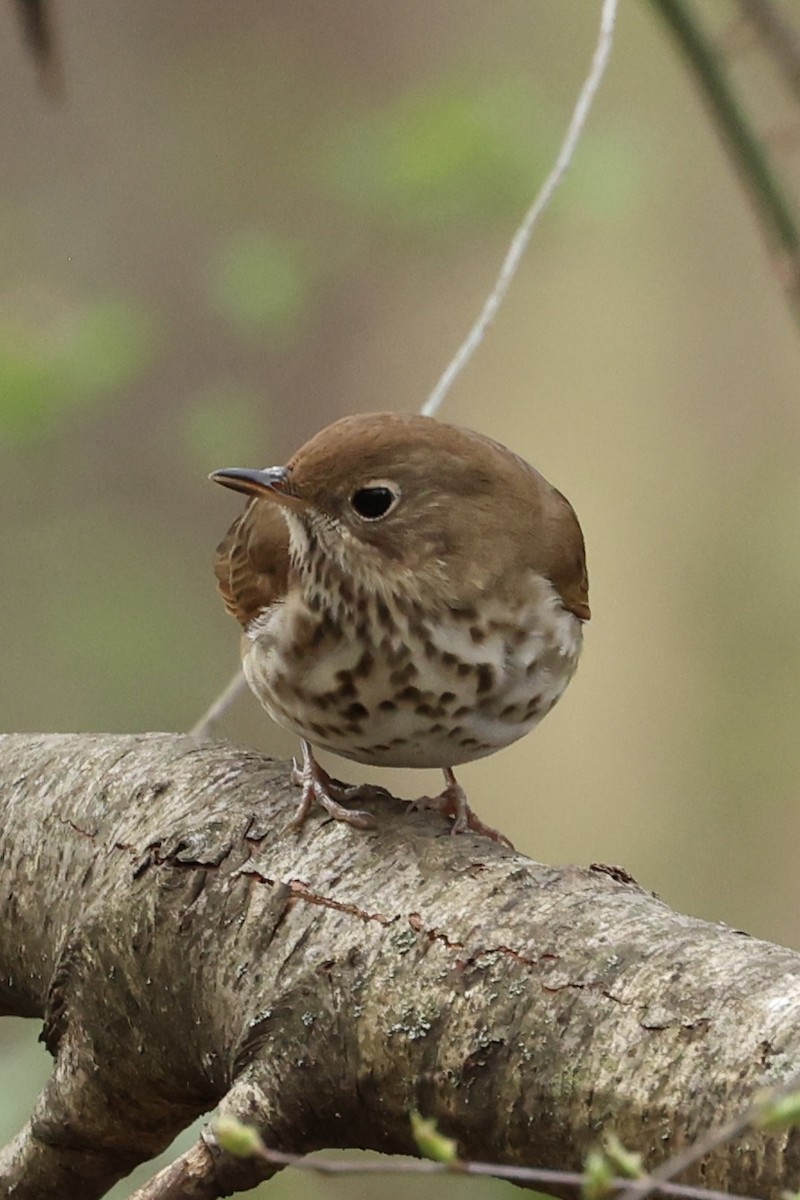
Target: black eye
[(374, 502)]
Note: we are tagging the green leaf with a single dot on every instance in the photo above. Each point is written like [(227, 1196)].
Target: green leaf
[(623, 1162), (431, 1143), (599, 1176), (261, 282), (780, 1114), (61, 358), (242, 1141), (449, 154)]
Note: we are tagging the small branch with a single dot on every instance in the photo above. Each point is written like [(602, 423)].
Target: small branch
[(719, 1135), (193, 1176), (539, 1177), (216, 711), (522, 237), (744, 146)]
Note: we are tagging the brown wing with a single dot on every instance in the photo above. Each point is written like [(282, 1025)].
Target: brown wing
[(552, 536), (251, 562), (567, 571)]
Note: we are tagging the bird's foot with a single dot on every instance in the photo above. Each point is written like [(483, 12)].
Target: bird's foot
[(452, 802), (319, 788)]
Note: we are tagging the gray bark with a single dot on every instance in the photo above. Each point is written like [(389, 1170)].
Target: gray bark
[(184, 952)]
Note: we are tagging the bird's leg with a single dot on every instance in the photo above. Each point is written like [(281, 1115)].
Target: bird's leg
[(319, 788), (452, 802)]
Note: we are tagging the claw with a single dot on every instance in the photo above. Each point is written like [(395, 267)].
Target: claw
[(319, 788), (452, 802)]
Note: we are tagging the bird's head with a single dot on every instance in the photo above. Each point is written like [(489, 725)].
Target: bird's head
[(398, 499)]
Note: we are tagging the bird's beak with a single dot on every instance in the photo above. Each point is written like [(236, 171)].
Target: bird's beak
[(273, 483)]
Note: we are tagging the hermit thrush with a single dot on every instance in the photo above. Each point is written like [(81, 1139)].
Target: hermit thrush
[(412, 594)]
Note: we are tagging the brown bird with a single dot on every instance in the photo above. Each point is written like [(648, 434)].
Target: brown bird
[(412, 595)]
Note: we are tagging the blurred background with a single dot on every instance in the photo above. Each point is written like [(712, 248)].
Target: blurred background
[(235, 227)]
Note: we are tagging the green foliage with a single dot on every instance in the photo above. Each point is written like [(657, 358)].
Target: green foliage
[(449, 153), (780, 1114), (605, 1164), (625, 1163), (430, 1142), (242, 1141), (261, 282), (599, 1176), (69, 359)]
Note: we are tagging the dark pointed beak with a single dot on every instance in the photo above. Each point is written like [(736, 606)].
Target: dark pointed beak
[(271, 482)]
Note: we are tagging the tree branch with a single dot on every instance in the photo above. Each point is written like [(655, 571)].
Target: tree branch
[(184, 952), (746, 149)]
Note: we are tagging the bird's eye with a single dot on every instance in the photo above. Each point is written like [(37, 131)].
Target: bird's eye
[(374, 501)]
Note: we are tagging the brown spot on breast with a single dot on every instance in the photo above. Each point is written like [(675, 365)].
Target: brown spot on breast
[(463, 669), (485, 677), (318, 637), (463, 711), (355, 711), (409, 693), (403, 674), (345, 592), (393, 655), (477, 634), (346, 688), (447, 697), (448, 659), (387, 706), (426, 710), (463, 612), (364, 665)]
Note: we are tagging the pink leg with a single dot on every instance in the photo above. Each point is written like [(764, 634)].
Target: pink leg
[(452, 802), (319, 788)]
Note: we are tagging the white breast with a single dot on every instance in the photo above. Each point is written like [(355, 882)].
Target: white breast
[(399, 690)]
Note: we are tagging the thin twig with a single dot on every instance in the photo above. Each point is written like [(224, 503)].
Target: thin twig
[(721, 1135), (522, 237), (538, 1176), (745, 148), (216, 711), (508, 270)]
